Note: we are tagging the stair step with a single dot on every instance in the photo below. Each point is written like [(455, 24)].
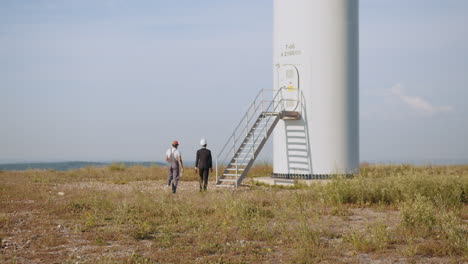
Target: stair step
[(227, 174), (234, 169), (244, 160), (227, 180), (245, 153), (245, 148)]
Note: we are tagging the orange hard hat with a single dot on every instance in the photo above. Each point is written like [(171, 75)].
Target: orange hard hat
[(175, 142)]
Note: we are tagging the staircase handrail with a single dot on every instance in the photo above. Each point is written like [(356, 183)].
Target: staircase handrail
[(242, 121), (267, 119), (238, 125)]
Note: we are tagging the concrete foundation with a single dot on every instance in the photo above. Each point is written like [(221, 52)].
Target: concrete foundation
[(288, 182)]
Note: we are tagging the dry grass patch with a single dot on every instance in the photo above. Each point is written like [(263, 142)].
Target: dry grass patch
[(121, 214)]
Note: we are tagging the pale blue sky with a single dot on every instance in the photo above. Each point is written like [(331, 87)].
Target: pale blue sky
[(119, 80)]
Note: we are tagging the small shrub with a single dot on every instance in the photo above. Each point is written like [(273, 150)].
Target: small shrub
[(418, 214), (120, 181), (308, 246), (376, 237), (117, 167), (41, 179), (139, 259), (380, 236), (165, 238), (256, 232), (358, 241), (75, 207), (90, 221), (341, 211), (100, 241), (308, 235), (210, 248), (247, 210), (142, 230), (454, 233)]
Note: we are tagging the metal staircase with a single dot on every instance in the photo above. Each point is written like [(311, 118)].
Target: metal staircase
[(251, 134)]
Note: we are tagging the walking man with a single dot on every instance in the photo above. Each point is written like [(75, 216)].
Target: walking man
[(174, 163), (203, 163)]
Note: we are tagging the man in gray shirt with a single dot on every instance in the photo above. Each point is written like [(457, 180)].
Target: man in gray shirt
[(174, 162)]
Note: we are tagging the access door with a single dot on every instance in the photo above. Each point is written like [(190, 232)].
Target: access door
[(288, 82)]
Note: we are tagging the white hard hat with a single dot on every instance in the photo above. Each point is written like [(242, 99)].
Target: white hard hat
[(203, 142)]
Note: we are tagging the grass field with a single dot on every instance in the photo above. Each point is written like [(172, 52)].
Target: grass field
[(387, 214)]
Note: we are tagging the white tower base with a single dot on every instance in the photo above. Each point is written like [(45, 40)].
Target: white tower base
[(316, 59)]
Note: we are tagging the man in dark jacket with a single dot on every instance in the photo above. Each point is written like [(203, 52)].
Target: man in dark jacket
[(203, 163)]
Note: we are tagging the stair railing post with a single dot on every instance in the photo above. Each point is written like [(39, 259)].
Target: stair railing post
[(234, 155), (253, 146), (246, 124), (282, 101), (262, 101), (299, 101), (216, 170)]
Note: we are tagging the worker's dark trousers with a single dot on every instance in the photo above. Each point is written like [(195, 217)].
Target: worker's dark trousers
[(203, 178)]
